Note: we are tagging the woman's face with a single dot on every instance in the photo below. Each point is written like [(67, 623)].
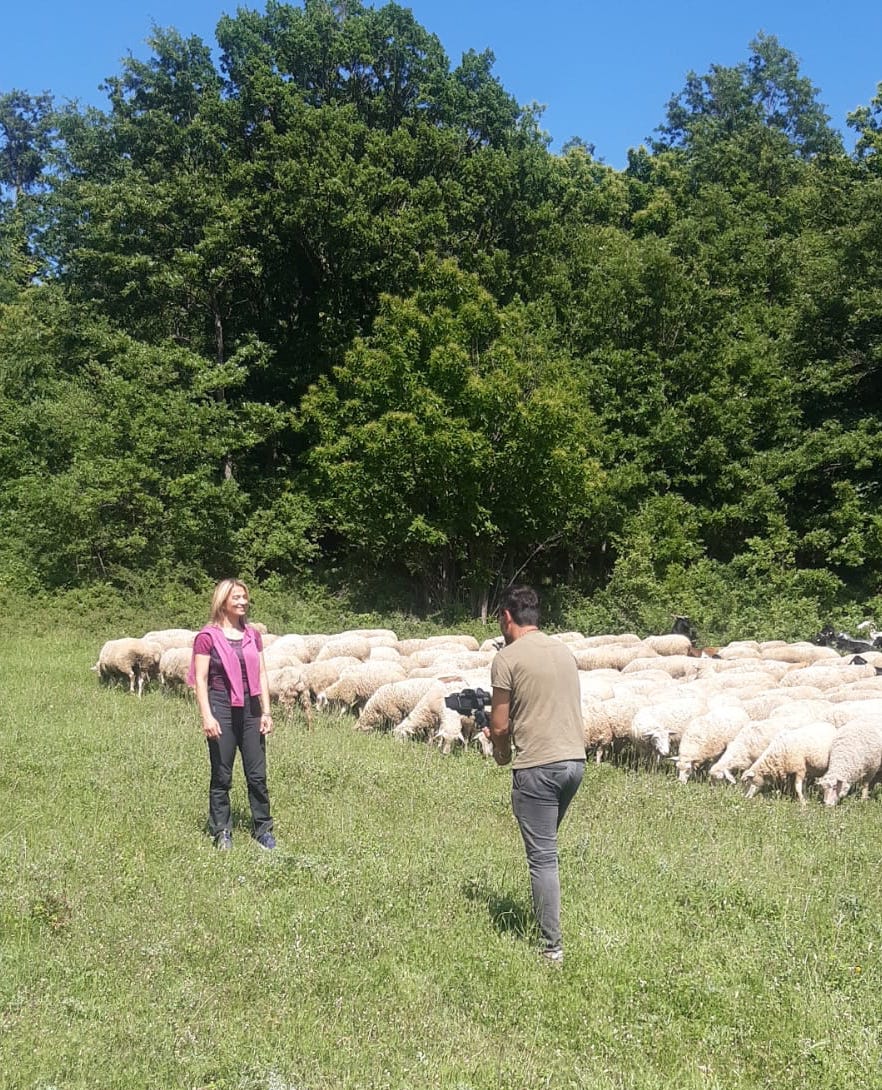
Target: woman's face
[(236, 605)]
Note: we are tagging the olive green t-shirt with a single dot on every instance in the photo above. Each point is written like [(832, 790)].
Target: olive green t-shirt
[(545, 708)]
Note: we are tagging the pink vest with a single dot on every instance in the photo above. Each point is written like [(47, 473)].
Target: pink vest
[(252, 645)]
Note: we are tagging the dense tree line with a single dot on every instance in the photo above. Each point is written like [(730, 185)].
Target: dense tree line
[(330, 309)]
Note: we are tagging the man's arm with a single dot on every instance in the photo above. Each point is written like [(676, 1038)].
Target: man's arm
[(500, 735)]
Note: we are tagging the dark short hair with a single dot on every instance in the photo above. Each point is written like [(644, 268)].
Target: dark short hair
[(522, 603)]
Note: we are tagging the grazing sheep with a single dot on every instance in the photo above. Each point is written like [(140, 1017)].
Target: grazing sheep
[(762, 705), (608, 724), (624, 639), (747, 745), (609, 656), (739, 649), (805, 653), (843, 711), (671, 644), (135, 660), (344, 645), (429, 656), (383, 653), (395, 701), (430, 718), (171, 637), (291, 644), (385, 636), (801, 754), (275, 658), (706, 737), (827, 677), (174, 665), (496, 643), (855, 760), (320, 675), (357, 684), (675, 666), (661, 725), (312, 645), (287, 686)]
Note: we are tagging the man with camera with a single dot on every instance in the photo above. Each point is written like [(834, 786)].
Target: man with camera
[(536, 725)]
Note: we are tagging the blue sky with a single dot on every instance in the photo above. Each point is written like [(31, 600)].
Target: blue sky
[(604, 71)]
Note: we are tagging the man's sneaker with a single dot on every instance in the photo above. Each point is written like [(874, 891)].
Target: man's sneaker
[(554, 956), (267, 841), (224, 840)]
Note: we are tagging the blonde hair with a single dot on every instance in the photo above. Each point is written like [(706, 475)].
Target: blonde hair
[(222, 592)]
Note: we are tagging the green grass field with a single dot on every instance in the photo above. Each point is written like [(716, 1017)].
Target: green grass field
[(711, 942)]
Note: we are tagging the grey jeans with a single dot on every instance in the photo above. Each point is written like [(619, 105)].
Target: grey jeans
[(539, 798)]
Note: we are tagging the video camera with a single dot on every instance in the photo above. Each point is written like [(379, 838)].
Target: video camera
[(471, 702)]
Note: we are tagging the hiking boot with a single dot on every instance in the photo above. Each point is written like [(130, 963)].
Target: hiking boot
[(224, 840), (267, 841)]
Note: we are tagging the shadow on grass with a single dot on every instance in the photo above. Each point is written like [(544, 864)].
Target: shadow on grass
[(509, 915)]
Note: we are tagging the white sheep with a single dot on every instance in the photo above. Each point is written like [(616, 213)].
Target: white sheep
[(843, 711), (739, 649), (706, 737), (855, 760), (174, 666), (135, 660), (357, 684), (608, 724), (291, 644), (609, 656), (171, 637), (827, 677), (675, 666), (671, 644), (344, 645), (430, 718), (803, 652), (287, 686), (383, 653), (747, 745), (429, 656), (395, 701), (312, 645), (661, 725), (801, 754), (276, 657), (623, 639), (320, 675)]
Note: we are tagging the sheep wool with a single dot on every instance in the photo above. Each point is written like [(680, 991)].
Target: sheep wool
[(171, 637), (798, 755), (855, 760), (137, 661), (393, 702), (174, 665), (746, 747), (357, 684), (706, 737)]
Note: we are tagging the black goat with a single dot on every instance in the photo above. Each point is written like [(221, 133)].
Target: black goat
[(682, 626), (829, 637)]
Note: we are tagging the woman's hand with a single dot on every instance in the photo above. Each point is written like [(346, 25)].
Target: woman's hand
[(266, 723), (211, 727)]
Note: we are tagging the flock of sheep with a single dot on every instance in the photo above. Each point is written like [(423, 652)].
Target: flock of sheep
[(778, 713)]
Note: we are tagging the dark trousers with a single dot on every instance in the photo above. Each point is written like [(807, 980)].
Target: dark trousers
[(240, 729), (540, 797)]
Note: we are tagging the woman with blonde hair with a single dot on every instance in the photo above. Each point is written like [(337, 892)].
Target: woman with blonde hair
[(228, 672)]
